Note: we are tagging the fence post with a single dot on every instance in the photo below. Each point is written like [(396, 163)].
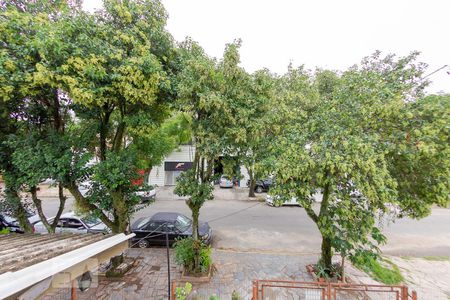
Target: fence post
[(414, 295), (172, 291), (255, 290), (404, 293)]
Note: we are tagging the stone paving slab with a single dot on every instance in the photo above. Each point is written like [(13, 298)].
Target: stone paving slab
[(235, 271)]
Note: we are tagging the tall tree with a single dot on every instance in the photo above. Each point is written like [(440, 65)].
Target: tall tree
[(200, 90), (99, 83), (119, 78), (350, 138), (249, 98), (35, 109)]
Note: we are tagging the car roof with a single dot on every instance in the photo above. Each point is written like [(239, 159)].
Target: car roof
[(165, 216), (70, 214)]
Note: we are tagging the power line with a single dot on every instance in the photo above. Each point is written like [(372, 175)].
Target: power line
[(435, 71), (233, 213)]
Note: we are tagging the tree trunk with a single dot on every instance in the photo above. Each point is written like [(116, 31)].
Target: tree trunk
[(38, 203), (343, 268), (118, 137), (120, 207), (327, 253), (195, 216), (62, 203), (323, 219), (251, 192), (104, 125), (19, 211)]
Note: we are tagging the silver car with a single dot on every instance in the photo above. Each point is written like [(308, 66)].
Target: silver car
[(73, 223)]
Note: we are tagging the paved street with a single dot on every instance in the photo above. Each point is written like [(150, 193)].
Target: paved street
[(253, 226)]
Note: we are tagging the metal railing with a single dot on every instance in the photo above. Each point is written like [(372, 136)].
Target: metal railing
[(271, 289)]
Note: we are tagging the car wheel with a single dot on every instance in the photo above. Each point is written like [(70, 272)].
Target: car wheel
[(259, 189), (143, 244)]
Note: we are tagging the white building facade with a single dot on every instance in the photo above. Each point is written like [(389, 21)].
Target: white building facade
[(175, 163)]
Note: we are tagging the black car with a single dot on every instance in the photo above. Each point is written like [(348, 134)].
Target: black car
[(152, 230), (262, 185)]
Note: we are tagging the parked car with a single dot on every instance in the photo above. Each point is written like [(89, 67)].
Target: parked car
[(276, 201), (12, 223), (261, 185), (152, 230), (5, 223), (74, 223), (147, 193), (225, 182)]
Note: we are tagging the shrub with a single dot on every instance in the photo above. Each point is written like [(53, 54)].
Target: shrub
[(387, 272), (185, 254), (181, 293)]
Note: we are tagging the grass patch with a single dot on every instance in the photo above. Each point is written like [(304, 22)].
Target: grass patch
[(437, 258), (386, 272), (406, 257)]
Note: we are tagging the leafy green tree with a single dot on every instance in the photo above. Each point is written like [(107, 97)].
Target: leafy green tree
[(345, 135), (200, 90), (249, 98), (30, 109), (98, 84), (118, 76)]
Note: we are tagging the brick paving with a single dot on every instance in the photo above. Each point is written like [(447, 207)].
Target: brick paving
[(234, 272)]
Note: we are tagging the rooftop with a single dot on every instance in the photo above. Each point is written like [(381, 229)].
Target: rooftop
[(18, 251)]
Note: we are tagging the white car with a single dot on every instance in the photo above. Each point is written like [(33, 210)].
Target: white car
[(274, 201), (73, 223), (147, 194)]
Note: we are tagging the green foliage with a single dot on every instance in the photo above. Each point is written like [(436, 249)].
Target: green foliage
[(322, 271), (235, 296), (437, 258), (385, 272), (88, 86), (181, 293), (4, 231), (185, 255), (198, 192), (342, 136)]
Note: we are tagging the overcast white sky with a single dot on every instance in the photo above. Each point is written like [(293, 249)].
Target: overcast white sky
[(324, 33)]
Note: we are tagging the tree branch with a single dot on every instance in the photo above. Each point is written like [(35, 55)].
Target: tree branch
[(87, 206)]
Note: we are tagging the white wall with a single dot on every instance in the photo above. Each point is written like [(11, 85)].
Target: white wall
[(244, 172), (184, 153)]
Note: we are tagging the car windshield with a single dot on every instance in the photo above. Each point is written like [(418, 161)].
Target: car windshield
[(90, 221), (182, 223)]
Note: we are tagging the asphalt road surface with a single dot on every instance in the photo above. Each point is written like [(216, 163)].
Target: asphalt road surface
[(254, 226)]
